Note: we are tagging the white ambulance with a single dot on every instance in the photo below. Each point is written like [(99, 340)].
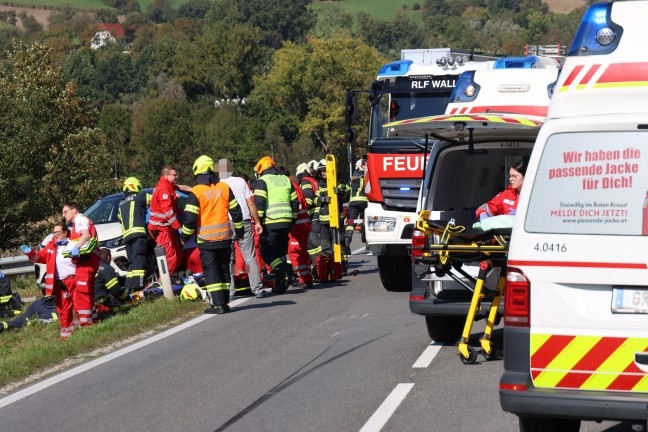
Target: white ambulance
[(491, 121), (576, 301)]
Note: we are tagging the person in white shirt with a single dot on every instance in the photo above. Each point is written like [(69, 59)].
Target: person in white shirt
[(245, 198)]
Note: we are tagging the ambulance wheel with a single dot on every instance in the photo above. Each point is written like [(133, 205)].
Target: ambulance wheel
[(395, 272), (496, 353), (472, 356), (548, 424)]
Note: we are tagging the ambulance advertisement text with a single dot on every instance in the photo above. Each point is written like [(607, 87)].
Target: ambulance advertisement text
[(591, 183)]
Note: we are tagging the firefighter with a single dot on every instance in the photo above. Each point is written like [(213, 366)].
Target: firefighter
[(322, 201), (277, 204), (164, 224), (84, 252), (357, 203), (108, 291), (308, 184), (132, 215), (298, 239), (206, 214)]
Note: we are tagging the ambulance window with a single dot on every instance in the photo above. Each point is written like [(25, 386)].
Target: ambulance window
[(591, 183)]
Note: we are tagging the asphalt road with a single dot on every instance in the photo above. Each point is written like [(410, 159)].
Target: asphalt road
[(347, 356)]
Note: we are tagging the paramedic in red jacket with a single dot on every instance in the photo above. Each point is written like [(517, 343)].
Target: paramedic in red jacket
[(59, 276), (163, 221), (505, 203), (84, 251)]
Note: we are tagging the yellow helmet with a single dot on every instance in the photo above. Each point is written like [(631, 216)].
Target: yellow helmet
[(131, 184), (203, 164), (263, 164), (302, 168), (190, 292)]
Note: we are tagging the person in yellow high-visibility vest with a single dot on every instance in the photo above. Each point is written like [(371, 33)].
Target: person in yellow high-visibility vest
[(206, 214), (276, 201)]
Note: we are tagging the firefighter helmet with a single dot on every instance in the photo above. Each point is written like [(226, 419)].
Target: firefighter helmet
[(321, 166), (302, 168), (263, 164), (203, 164), (131, 184), (190, 292), (360, 163)]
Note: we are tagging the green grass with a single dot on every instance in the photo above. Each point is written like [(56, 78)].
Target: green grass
[(79, 4), (380, 9), (76, 4), (37, 348)]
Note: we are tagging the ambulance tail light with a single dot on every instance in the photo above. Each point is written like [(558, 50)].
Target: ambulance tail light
[(466, 89), (517, 305), (418, 244), (597, 34)]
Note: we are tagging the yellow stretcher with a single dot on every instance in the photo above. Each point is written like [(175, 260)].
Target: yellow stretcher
[(456, 246)]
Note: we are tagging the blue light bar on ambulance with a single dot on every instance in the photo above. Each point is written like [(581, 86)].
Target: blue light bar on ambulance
[(466, 89), (596, 34), (400, 67), (516, 62), (405, 189)]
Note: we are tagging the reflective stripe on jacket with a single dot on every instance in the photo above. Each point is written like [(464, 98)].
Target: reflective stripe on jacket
[(303, 222)]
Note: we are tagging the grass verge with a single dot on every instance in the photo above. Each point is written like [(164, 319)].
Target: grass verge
[(35, 352)]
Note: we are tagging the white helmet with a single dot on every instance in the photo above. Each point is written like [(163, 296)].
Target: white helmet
[(313, 165), (302, 168), (360, 163)]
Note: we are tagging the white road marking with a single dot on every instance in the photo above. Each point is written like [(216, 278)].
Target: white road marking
[(428, 355), (359, 251), (28, 391), (380, 418)]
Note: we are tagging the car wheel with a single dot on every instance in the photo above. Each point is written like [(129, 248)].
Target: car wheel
[(395, 272)]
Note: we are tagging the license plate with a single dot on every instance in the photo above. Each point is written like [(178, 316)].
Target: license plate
[(630, 300)]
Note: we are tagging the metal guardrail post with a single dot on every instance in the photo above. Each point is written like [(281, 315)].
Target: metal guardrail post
[(163, 267)]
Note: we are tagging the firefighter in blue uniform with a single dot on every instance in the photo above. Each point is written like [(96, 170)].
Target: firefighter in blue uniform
[(277, 204), (132, 214), (357, 204)]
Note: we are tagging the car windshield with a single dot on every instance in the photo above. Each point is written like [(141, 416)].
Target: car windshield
[(104, 210)]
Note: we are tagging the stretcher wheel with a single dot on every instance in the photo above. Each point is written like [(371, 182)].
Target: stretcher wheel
[(496, 353), (472, 356)]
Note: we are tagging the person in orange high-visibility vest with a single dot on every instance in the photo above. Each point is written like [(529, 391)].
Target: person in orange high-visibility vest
[(206, 215)]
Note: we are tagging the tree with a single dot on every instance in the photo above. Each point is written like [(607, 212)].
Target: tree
[(161, 134), (279, 20), (40, 112), (305, 91), (332, 19)]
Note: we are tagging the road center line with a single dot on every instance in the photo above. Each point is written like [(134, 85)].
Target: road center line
[(42, 385), (378, 420), (359, 250), (428, 355)]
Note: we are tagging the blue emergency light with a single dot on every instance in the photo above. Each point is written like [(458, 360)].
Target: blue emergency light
[(400, 67), (466, 89), (516, 62), (596, 34), (405, 189)]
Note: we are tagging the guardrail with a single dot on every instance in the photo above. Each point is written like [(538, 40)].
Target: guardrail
[(17, 265)]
